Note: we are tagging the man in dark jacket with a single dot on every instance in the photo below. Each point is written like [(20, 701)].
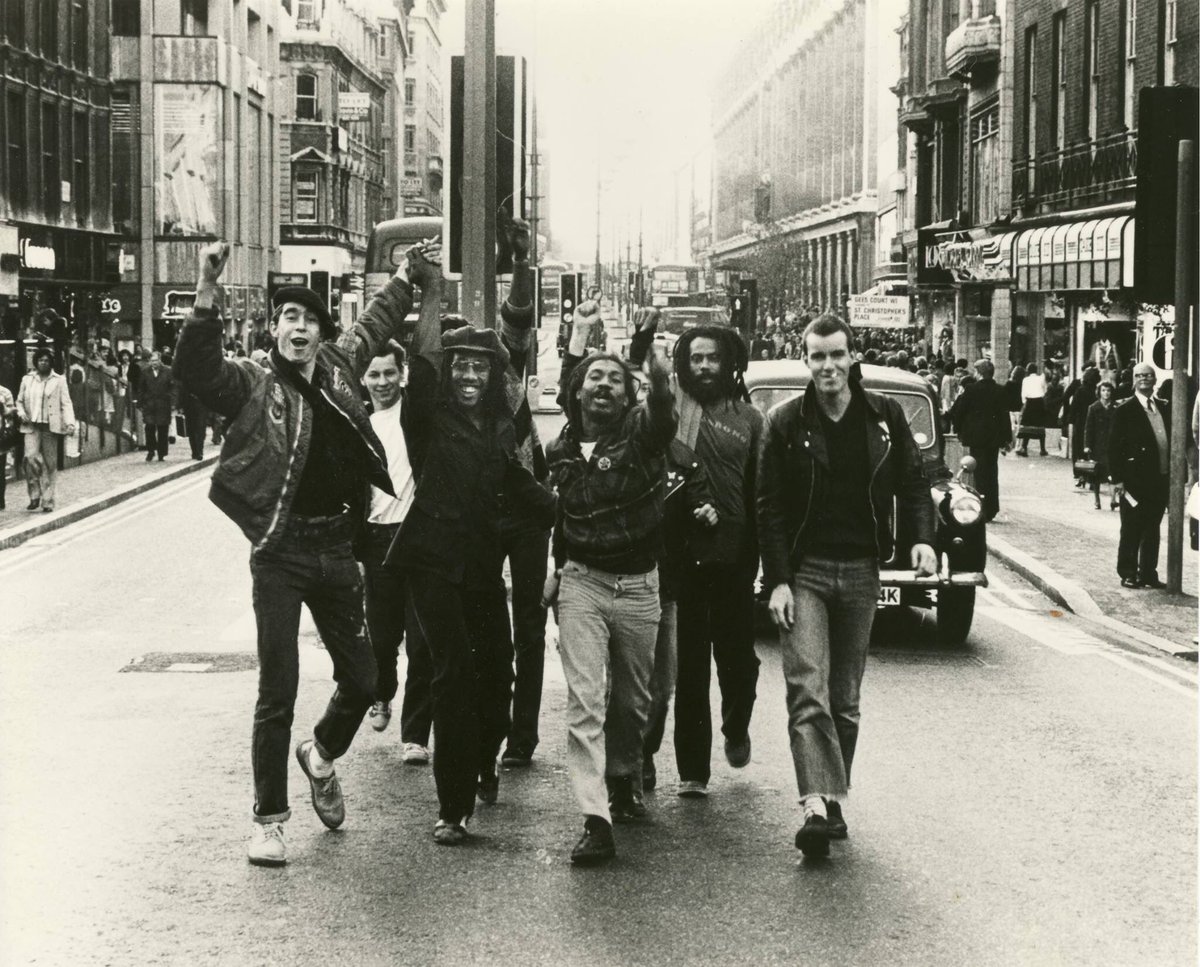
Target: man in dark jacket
[(834, 462), (980, 417), (716, 594), (156, 396), (608, 467), (1138, 465), (293, 472)]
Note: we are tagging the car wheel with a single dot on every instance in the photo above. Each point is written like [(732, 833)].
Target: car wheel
[(955, 611)]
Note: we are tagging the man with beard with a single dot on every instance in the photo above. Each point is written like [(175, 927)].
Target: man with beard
[(462, 445), (716, 589), (608, 467)]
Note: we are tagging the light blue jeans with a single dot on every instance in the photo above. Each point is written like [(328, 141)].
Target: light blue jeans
[(824, 655), (607, 625)]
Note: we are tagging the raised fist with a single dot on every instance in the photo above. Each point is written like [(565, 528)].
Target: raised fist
[(518, 238), (646, 319), (213, 257), (423, 263)]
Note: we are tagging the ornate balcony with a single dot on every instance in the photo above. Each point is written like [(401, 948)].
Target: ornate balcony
[(1091, 173), (973, 44)]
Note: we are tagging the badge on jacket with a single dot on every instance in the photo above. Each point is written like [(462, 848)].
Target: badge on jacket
[(277, 403), (604, 463)]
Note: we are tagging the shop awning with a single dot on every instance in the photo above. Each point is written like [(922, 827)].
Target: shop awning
[(978, 256), (1096, 254)]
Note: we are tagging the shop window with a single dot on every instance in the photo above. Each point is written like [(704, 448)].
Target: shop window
[(306, 97), (304, 195), (193, 18)]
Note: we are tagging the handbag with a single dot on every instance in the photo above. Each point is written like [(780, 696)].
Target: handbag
[(1085, 468), (10, 432)]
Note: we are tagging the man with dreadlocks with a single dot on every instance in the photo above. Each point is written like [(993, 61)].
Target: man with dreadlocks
[(716, 589)]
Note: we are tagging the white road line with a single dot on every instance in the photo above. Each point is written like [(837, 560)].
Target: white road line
[(1060, 635), (118, 514), (1006, 589)]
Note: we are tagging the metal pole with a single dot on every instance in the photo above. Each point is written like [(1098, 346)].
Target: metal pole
[(1184, 266), (641, 294), (534, 201), (479, 165), (598, 279)]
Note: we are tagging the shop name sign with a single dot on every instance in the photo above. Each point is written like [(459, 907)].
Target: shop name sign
[(879, 311), (353, 105), (37, 256), (969, 259)]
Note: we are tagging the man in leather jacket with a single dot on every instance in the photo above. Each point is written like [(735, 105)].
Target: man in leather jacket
[(833, 462)]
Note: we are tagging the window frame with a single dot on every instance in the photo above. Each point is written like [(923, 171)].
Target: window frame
[(1091, 67), (300, 175), (1058, 104), (1129, 63), (1031, 92), (314, 97)]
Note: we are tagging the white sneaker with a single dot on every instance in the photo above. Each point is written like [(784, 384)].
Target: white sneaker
[(692, 789), (380, 715), (415, 754), (266, 846)]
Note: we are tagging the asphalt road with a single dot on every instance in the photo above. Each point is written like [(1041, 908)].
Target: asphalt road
[(1028, 800)]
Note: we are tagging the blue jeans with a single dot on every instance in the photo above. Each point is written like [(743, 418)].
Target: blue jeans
[(608, 624), (317, 569), (824, 654)]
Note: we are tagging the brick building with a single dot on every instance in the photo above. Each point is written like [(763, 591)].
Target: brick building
[(194, 136), (57, 246), (794, 133)]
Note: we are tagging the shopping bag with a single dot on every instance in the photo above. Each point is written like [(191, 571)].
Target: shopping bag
[(71, 444)]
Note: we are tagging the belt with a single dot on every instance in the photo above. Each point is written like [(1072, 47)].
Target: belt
[(319, 531)]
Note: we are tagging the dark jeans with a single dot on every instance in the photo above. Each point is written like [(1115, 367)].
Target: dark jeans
[(313, 566), (466, 627), (157, 438), (715, 621), (527, 551), (987, 478), (384, 600), (1137, 550), (196, 418)]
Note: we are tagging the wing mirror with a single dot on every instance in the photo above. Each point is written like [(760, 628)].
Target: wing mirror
[(966, 471)]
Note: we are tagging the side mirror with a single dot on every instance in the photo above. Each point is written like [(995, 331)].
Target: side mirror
[(966, 471)]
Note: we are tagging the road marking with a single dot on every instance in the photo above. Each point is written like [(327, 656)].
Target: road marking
[(1059, 634), (1027, 602), (118, 514)]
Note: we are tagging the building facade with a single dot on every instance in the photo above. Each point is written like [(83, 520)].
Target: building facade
[(794, 134), (391, 60), (194, 136), (333, 94), (425, 109), (58, 250), (1020, 121)]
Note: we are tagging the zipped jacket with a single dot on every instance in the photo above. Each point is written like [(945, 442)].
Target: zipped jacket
[(794, 476), (267, 442)]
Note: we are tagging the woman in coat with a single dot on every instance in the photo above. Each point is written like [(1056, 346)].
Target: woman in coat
[(1095, 434), (1012, 393), (1081, 404)]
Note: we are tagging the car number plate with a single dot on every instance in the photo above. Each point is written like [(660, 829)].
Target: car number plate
[(889, 597)]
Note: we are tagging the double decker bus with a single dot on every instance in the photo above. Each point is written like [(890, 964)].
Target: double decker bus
[(387, 246), (673, 285)]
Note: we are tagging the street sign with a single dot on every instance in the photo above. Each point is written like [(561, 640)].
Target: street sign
[(353, 105), (879, 311)]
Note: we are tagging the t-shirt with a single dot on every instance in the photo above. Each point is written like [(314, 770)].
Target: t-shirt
[(843, 526), (386, 509), (587, 449), (726, 442)]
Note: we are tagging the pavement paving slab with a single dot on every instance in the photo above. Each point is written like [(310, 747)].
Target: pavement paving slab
[(1074, 547)]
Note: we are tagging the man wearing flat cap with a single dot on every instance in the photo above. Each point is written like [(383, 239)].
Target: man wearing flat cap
[(294, 471), (462, 445)]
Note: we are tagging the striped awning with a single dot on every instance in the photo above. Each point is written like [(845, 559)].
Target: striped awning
[(1096, 254)]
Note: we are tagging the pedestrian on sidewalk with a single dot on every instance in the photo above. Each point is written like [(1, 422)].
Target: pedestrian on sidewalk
[(10, 434), (462, 443), (716, 587), (1096, 432), (384, 585), (1138, 465), (46, 414), (156, 399), (1076, 414), (980, 418), (835, 462), (608, 467), (293, 475), (1033, 411)]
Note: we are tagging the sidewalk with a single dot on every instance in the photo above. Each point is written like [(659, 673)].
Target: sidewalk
[(1051, 533), (93, 487)]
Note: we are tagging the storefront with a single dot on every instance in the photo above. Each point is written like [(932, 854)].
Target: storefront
[(932, 292), (981, 266)]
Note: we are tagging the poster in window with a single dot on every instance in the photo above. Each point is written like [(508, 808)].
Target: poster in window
[(188, 189)]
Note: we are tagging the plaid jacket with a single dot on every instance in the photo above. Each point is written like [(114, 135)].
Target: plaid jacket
[(610, 508)]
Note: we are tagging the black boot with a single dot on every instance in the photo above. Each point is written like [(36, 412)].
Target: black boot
[(596, 846)]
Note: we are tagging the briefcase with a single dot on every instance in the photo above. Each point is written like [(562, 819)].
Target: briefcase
[(1085, 469)]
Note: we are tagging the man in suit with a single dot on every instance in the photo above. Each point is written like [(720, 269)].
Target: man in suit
[(156, 395), (980, 418), (1138, 465)]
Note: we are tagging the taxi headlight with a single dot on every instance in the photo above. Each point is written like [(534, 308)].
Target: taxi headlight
[(965, 508)]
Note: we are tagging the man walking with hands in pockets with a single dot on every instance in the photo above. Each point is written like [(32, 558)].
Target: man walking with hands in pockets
[(834, 462)]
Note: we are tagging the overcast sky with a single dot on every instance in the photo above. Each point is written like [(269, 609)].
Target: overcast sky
[(623, 93)]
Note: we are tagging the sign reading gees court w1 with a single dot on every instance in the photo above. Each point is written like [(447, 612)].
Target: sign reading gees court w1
[(879, 311)]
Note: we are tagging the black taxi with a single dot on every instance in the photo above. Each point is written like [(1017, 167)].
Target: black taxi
[(961, 542)]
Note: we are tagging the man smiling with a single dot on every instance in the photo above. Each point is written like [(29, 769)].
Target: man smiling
[(293, 475)]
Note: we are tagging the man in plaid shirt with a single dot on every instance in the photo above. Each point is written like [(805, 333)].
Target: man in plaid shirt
[(608, 469)]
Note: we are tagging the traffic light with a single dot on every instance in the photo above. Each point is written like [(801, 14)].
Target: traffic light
[(1166, 116), (568, 297), (738, 303)]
